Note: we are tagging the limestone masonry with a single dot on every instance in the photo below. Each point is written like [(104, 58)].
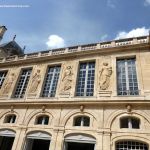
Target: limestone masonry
[(87, 97)]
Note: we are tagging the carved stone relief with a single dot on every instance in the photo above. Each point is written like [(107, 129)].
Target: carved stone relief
[(36, 79), (104, 78), (67, 79), (7, 86)]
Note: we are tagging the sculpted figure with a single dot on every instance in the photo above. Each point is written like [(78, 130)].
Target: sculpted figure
[(67, 78), (36, 79), (105, 75), (9, 83)]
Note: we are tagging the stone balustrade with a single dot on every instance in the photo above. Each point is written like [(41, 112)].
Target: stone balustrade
[(95, 46)]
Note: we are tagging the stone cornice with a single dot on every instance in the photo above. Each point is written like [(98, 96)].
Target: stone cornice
[(77, 103), (122, 45)]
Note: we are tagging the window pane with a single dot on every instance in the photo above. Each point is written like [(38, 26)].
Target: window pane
[(77, 121), (22, 84), (51, 81), (135, 123), (86, 121), (124, 123)]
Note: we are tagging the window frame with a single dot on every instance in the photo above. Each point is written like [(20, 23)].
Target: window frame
[(43, 119), (85, 86), (82, 121), (18, 79), (12, 118), (127, 77), (130, 120), (4, 77), (45, 76)]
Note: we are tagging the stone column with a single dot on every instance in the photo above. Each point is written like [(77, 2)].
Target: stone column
[(106, 141), (99, 141), (57, 140), (19, 140)]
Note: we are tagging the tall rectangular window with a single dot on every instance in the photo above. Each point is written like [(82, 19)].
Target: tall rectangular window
[(51, 81), (22, 83), (127, 83), (2, 77), (85, 83)]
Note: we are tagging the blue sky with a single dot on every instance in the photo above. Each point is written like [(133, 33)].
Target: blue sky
[(46, 24)]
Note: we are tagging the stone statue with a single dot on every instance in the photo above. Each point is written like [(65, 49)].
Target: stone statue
[(9, 83), (105, 75), (67, 79), (36, 79)]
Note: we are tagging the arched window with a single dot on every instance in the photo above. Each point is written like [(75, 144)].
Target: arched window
[(130, 122), (10, 119), (82, 121), (43, 120), (131, 145)]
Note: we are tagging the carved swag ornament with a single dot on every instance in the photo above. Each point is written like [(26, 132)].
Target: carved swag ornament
[(105, 74)]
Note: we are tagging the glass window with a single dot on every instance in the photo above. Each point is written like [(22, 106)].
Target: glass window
[(127, 83), (10, 119), (42, 120), (130, 122), (82, 121), (85, 84), (131, 145), (2, 77), (51, 81), (22, 84)]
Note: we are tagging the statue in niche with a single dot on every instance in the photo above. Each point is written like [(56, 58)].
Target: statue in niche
[(67, 79), (36, 79), (105, 75), (9, 83)]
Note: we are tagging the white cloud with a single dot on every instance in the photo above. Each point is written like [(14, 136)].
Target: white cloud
[(55, 41), (147, 2), (133, 33)]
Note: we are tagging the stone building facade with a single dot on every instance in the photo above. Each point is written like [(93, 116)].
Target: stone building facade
[(88, 97)]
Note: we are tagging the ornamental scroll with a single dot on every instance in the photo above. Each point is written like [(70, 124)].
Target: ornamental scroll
[(105, 74), (67, 79), (36, 79)]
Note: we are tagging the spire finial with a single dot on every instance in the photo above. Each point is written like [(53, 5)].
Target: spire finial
[(24, 48), (14, 37)]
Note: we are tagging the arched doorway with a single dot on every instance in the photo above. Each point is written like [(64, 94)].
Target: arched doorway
[(79, 142), (37, 141), (131, 145), (6, 139)]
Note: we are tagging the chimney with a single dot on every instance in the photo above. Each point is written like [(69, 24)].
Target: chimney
[(2, 31)]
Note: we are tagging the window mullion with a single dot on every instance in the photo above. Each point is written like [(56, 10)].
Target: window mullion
[(129, 123), (82, 121)]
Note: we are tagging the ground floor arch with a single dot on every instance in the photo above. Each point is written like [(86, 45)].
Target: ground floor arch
[(6, 139), (79, 142), (37, 141)]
